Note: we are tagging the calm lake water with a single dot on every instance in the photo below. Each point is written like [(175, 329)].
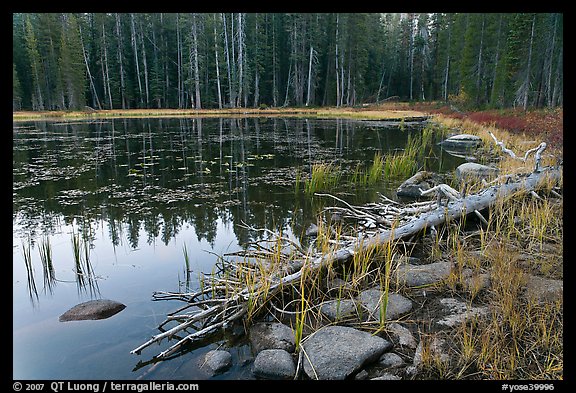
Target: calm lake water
[(133, 193)]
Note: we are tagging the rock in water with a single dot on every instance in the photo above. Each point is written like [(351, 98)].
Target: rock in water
[(93, 309)]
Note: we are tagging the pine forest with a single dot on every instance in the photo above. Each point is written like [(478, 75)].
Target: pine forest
[(70, 61)]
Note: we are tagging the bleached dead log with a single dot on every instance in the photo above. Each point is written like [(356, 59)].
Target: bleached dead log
[(235, 301)]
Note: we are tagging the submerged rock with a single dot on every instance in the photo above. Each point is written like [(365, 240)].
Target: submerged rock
[(336, 352), (218, 360), (93, 309)]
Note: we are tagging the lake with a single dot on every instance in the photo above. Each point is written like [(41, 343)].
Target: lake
[(127, 198)]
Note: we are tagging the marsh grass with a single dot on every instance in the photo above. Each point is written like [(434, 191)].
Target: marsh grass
[(45, 250), (30, 281), (324, 176)]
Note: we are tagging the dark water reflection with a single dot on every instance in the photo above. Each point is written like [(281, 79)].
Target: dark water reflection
[(132, 193)]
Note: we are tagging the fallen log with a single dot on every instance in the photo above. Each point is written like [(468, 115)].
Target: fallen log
[(234, 297)]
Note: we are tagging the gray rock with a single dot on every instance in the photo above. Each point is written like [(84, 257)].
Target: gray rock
[(390, 359), (218, 360), (271, 335), (338, 309), (274, 364), (397, 304), (459, 312), (403, 335), (462, 142), (421, 180), (93, 309), (336, 352), (362, 375), (436, 349), (471, 171), (417, 275), (544, 290)]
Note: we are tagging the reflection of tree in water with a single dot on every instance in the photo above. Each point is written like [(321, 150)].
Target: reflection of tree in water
[(158, 175)]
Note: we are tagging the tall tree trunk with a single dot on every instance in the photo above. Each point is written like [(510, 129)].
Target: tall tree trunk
[(479, 77), (447, 67), (121, 62), (95, 99), (240, 58), (145, 62), (231, 99), (217, 65), (549, 62), (107, 79), (529, 66), (338, 93), (309, 76), (180, 64), (496, 61), (136, 61), (274, 65), (195, 54)]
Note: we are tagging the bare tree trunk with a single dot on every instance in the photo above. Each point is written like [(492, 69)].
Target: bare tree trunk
[(240, 58), (447, 68), (217, 65), (479, 77), (137, 62), (274, 66), (146, 84), (228, 66), (107, 80), (256, 68), (411, 54), (121, 62), (309, 75), (337, 69), (95, 98), (180, 77), (528, 66), (195, 55), (549, 62)]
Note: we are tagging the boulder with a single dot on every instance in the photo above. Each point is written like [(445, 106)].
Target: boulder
[(471, 171), (93, 309), (218, 360), (461, 142), (397, 304), (271, 335), (423, 180), (402, 334), (336, 352), (274, 364), (338, 309), (390, 360), (417, 275), (459, 312)]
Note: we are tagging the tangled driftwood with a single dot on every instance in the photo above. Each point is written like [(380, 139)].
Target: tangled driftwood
[(240, 286)]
